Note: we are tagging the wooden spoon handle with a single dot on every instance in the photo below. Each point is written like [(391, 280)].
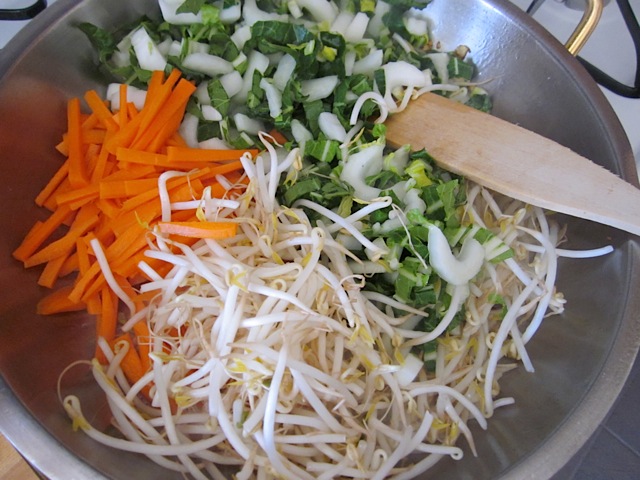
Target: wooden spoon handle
[(515, 161)]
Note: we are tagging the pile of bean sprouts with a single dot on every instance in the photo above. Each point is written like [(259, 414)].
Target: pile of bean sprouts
[(270, 359)]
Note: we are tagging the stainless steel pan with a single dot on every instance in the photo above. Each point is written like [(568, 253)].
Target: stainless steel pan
[(582, 358)]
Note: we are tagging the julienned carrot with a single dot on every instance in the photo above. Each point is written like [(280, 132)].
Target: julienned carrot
[(83, 194), (58, 302), (122, 98), (107, 322), (102, 167), (108, 207), (65, 245), (84, 265), (143, 337), (186, 154), (91, 136), (141, 157), (126, 188), (77, 167), (107, 319), (100, 109), (173, 108), (131, 364), (278, 137), (39, 235), (145, 213), (216, 230), (107, 188), (155, 100), (53, 184), (52, 271)]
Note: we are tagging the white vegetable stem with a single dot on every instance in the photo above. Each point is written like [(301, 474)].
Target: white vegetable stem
[(149, 57), (456, 271)]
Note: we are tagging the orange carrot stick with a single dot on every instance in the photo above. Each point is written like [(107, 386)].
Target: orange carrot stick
[(100, 109), (182, 154), (176, 102), (157, 79), (122, 97), (143, 213), (107, 188), (36, 238), (101, 168), (82, 194), (64, 246), (143, 337), (83, 282), (132, 155), (216, 230), (278, 137), (107, 320), (53, 183), (127, 188), (131, 365), (77, 168), (158, 94), (51, 271), (58, 302)]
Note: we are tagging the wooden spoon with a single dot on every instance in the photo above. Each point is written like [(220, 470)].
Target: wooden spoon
[(515, 161)]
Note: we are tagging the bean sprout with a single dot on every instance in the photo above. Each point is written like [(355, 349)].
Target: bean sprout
[(284, 364)]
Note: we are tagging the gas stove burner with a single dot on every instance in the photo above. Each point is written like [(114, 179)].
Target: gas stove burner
[(604, 79), (23, 13)]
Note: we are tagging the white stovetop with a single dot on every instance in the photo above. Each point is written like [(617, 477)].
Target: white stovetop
[(8, 28)]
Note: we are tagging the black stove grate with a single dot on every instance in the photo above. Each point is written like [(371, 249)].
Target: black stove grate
[(25, 13)]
